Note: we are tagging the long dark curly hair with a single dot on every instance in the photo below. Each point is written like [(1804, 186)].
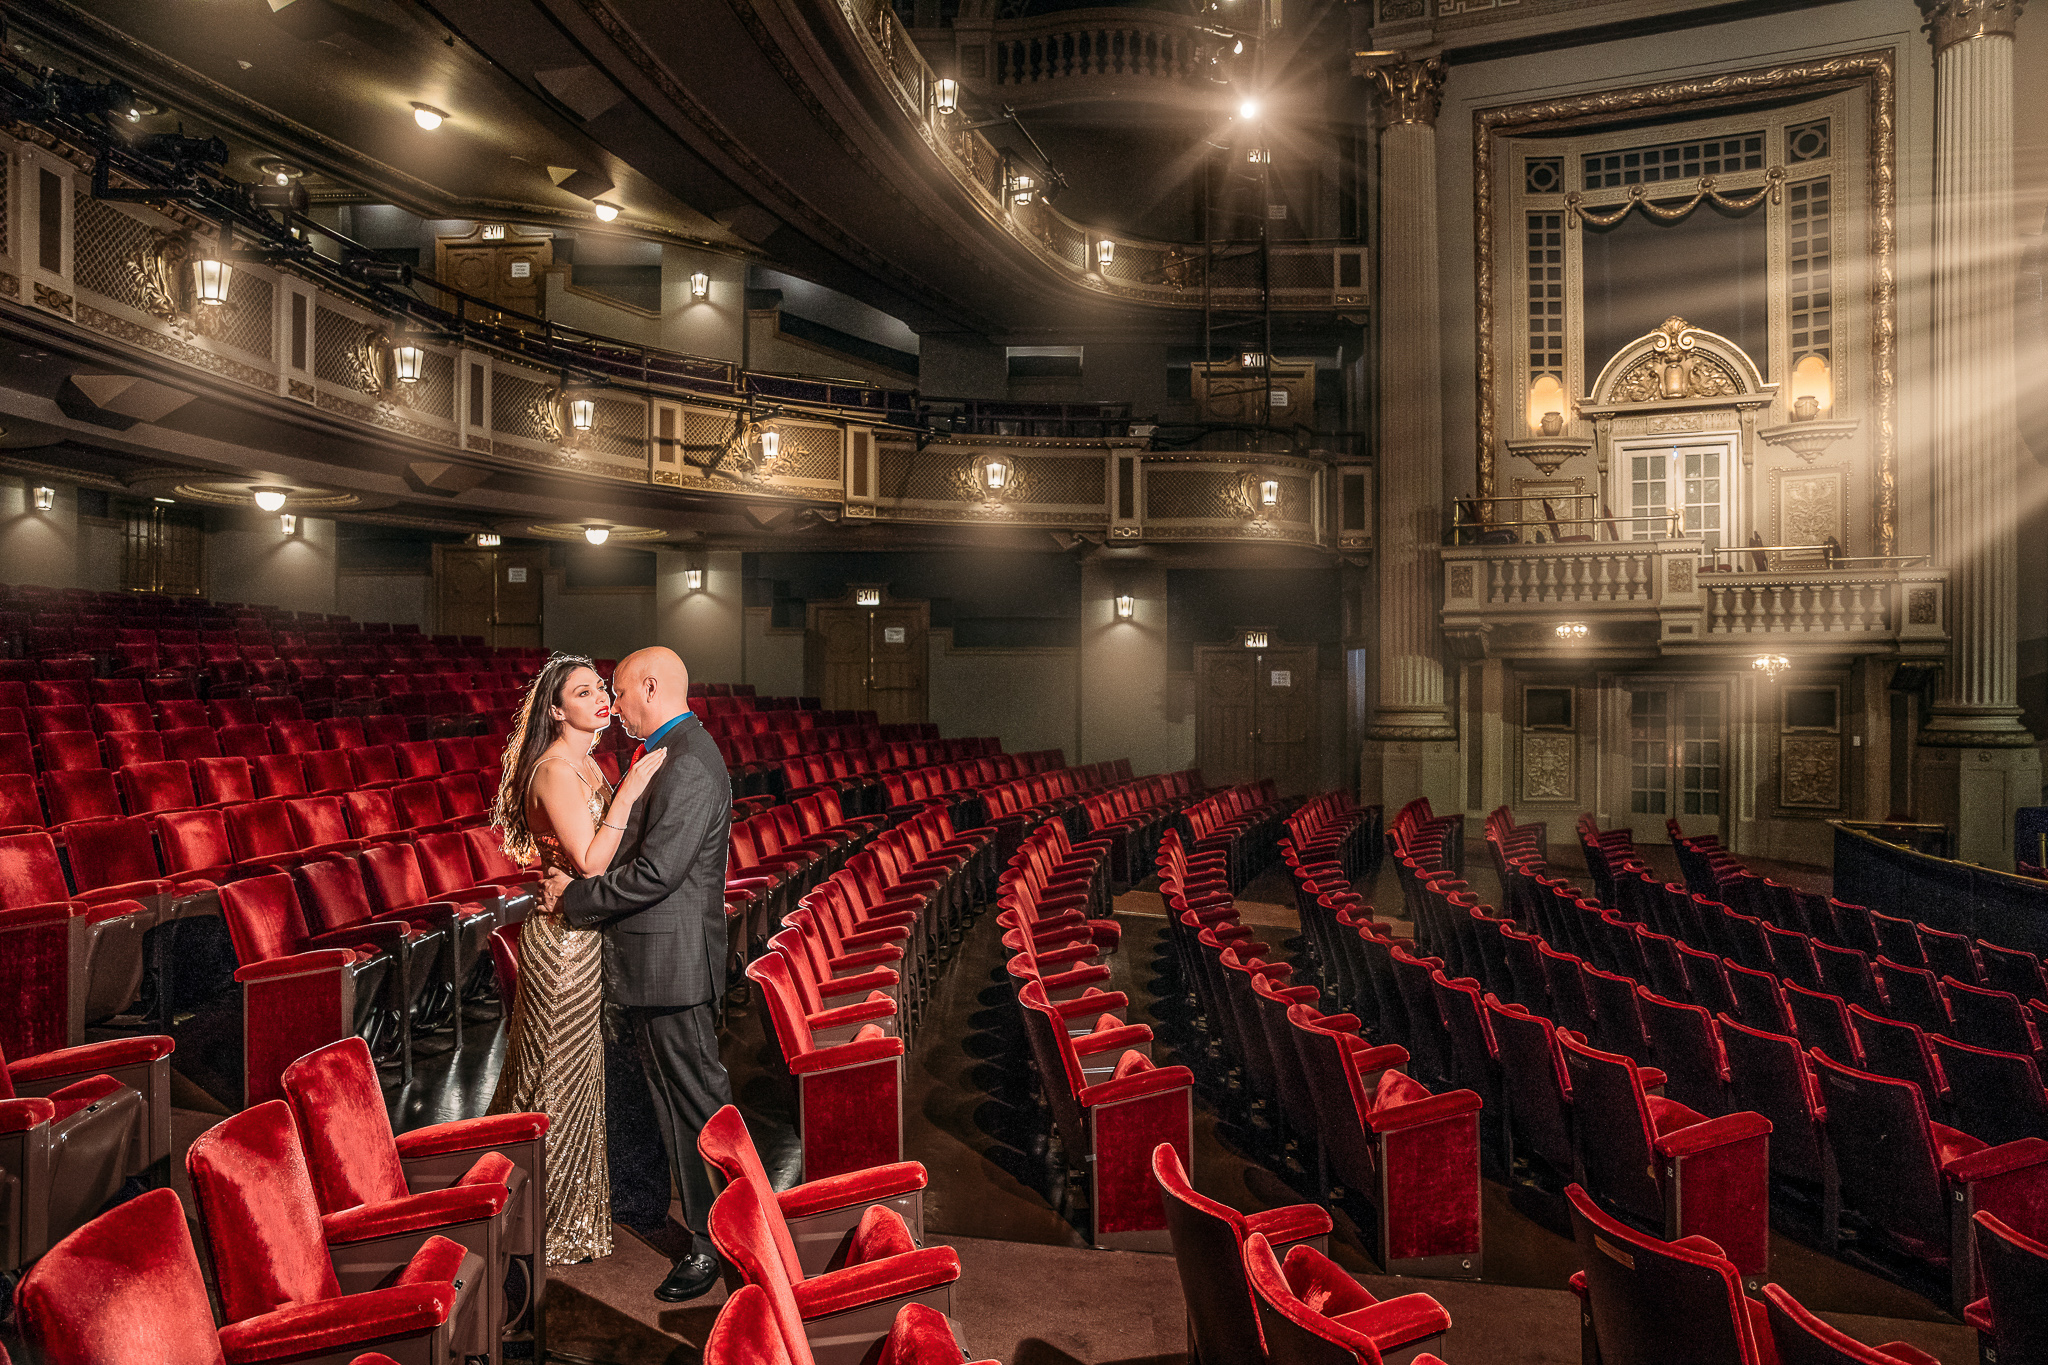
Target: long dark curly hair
[(532, 732)]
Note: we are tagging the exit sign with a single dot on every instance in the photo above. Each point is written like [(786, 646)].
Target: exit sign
[(493, 232)]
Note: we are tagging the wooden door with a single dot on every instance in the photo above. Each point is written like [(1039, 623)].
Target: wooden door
[(1257, 717), (1674, 743), (505, 274), (494, 594), (869, 658)]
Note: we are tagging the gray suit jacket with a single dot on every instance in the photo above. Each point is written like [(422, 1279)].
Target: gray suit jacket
[(661, 907)]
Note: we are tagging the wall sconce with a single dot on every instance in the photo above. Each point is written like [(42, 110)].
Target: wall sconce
[(945, 94), (270, 499), (1105, 252), (693, 580), (1570, 631), (486, 540), (597, 535), (700, 285), (408, 360), (1126, 607), (867, 597), (771, 446), (1813, 389), (997, 475), (289, 524), (1269, 494), (1546, 406), (583, 414), (1770, 665), (212, 278), (45, 497), (1022, 188), (1256, 639)]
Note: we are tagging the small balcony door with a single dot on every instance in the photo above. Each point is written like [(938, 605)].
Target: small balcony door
[(1676, 737), (1683, 486)]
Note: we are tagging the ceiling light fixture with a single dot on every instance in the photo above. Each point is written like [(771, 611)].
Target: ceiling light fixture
[(945, 94), (1571, 630), (606, 212), (1770, 665), (270, 499), (700, 285), (1248, 110), (427, 116), (597, 535)]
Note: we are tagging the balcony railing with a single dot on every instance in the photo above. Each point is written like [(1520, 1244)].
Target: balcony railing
[(1508, 597)]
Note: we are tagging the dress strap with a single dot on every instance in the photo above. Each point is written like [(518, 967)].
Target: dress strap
[(557, 758)]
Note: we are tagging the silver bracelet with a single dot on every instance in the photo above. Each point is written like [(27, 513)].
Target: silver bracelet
[(609, 825)]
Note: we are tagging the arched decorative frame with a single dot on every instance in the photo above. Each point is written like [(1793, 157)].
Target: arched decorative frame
[(1870, 74)]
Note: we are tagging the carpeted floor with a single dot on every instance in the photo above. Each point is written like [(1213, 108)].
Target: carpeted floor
[(1032, 1292)]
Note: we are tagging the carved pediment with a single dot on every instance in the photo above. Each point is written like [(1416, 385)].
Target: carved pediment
[(1678, 365)]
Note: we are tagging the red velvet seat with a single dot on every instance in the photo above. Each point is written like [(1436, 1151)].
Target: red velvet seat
[(1646, 1300), (1995, 1096), (1208, 1252), (327, 770), (841, 1314), (110, 923), (300, 990), (848, 1072), (1665, 1165), (371, 815), (2012, 1318), (1914, 1182), (134, 715), (280, 1294), (278, 775), (1686, 1047), (222, 781), (75, 794), (190, 744), (152, 787), (449, 873), (1800, 1338), (123, 747), (388, 730), (21, 805), (1111, 1116), (64, 1151), (1539, 1091), (1989, 1018), (373, 765), (1896, 1048), (479, 1182), (1309, 1312), (819, 1217), (418, 758), (244, 741)]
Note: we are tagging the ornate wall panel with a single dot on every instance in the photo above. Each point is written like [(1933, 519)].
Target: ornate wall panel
[(1810, 772), (1549, 767)]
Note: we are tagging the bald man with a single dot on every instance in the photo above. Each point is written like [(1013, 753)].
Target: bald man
[(661, 908)]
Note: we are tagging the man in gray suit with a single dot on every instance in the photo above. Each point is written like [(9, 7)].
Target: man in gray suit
[(661, 908)]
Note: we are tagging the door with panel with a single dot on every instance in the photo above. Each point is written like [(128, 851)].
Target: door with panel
[(1257, 715), (869, 656), (1674, 737), (492, 594)]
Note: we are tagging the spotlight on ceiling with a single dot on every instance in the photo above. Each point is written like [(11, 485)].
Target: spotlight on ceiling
[(270, 499), (1248, 110), (597, 535), (606, 212), (427, 116)]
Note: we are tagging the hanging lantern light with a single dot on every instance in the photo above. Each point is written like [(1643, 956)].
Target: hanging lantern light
[(46, 497), (945, 94), (212, 278), (997, 475), (1023, 188), (693, 580), (408, 360)]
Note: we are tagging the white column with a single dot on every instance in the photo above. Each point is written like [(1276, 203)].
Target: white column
[(1411, 742), (1977, 763)]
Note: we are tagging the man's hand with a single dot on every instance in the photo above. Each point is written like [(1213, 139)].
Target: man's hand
[(551, 891)]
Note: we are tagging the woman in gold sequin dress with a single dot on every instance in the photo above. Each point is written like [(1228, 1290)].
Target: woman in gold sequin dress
[(554, 803)]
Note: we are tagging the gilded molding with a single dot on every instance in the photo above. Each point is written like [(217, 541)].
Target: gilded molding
[(173, 348), (1872, 71), (1404, 91), (1957, 21)]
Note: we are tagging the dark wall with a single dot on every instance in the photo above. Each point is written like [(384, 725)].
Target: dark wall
[(997, 599), (1216, 606), (1710, 269)]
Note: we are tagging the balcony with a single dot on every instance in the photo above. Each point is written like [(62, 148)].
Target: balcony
[(1679, 597)]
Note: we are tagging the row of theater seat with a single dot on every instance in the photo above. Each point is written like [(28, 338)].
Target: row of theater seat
[(1834, 1126)]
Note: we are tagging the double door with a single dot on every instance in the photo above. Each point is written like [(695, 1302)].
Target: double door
[(1677, 747), (1257, 716), (494, 594), (869, 657)]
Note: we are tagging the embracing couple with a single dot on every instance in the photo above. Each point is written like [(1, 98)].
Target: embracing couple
[(633, 907)]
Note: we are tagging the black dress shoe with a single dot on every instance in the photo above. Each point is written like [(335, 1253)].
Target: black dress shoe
[(692, 1278)]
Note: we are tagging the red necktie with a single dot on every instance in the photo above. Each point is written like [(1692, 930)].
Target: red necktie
[(639, 752)]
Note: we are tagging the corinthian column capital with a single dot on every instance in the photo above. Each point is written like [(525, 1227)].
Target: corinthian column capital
[(1957, 21), (1405, 90)]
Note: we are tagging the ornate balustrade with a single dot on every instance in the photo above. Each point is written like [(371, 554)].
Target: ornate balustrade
[(1125, 44), (1509, 600)]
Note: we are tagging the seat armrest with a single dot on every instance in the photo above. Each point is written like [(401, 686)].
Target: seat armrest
[(1726, 1129), (91, 1059), (868, 1186), (320, 960), (1136, 1083), (416, 1212), (864, 1048), (1397, 1118), (1290, 1223), (469, 1135), (892, 1277)]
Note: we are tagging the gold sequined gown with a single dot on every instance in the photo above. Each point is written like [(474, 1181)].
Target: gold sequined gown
[(554, 1065)]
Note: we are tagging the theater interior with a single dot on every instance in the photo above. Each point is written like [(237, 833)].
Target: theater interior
[(1339, 629)]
